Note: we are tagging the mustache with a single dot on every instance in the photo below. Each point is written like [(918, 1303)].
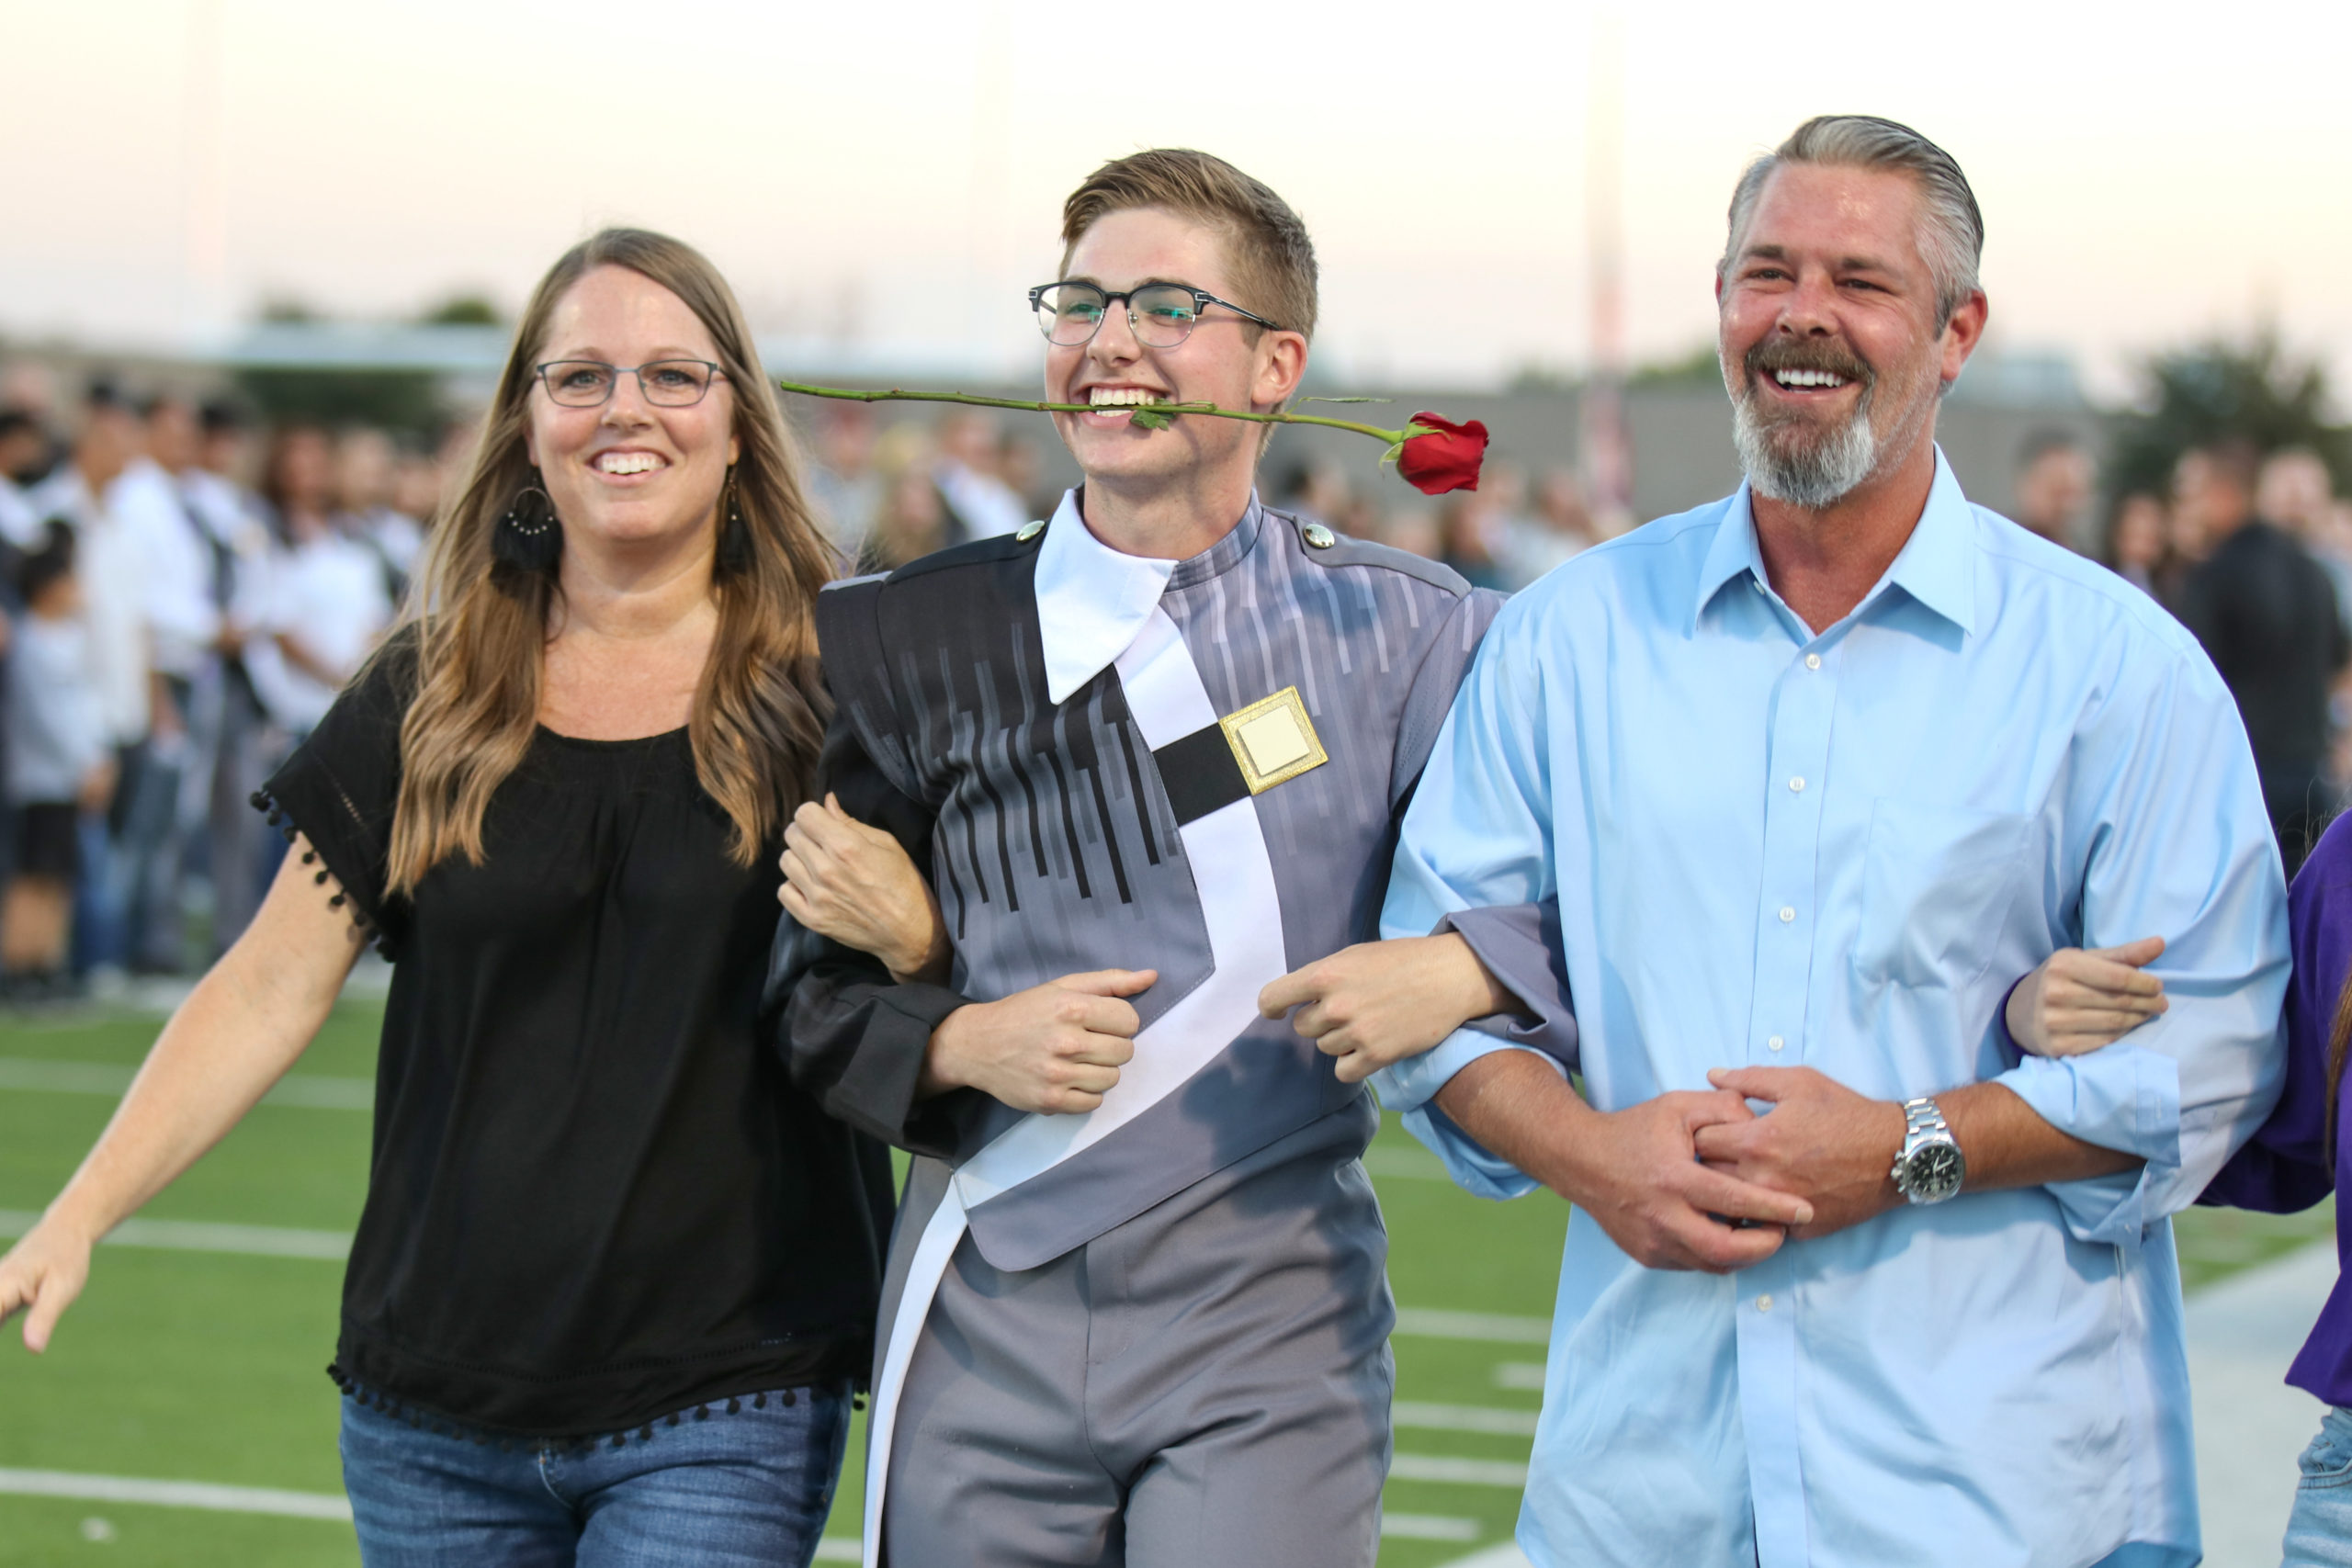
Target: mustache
[(1778, 353)]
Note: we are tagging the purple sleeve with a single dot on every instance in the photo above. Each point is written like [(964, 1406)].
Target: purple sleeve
[(2286, 1167), (1520, 944)]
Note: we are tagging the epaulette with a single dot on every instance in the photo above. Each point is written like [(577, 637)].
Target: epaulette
[(974, 552), (1324, 546)]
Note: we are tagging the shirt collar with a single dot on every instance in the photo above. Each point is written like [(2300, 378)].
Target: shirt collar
[(1935, 567)]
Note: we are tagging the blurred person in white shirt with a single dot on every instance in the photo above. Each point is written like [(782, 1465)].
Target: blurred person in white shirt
[(112, 573), (330, 603), (237, 520), (843, 481), (366, 465), (417, 481), (59, 769), (1537, 538), (967, 475), (186, 597)]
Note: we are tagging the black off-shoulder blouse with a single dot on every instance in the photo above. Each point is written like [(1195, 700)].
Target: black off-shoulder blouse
[(596, 1198)]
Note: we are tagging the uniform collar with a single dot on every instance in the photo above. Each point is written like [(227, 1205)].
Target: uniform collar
[(1092, 599), (1935, 566)]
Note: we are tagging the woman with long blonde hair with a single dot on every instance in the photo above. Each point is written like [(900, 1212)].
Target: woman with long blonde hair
[(615, 1278)]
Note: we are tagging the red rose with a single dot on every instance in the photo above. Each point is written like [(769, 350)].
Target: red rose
[(1444, 456)]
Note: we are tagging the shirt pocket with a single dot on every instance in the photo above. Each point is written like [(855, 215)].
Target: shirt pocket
[(1936, 880)]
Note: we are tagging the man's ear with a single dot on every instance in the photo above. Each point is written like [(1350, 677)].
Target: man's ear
[(1281, 365), (1963, 332)]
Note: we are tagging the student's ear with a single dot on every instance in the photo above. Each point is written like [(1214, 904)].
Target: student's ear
[(1281, 365)]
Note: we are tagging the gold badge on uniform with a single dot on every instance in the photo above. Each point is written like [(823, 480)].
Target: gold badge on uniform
[(1274, 741)]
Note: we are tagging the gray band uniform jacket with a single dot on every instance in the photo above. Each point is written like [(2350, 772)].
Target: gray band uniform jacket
[(1051, 833)]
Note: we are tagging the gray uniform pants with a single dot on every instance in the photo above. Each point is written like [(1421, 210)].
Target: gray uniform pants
[(1205, 1386)]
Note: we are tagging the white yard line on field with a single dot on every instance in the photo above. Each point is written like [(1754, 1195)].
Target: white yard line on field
[(175, 1493), (1454, 1471), (1463, 1418), (1429, 1323), (191, 1235)]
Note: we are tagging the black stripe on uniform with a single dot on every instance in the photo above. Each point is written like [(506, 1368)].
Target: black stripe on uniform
[(1199, 773)]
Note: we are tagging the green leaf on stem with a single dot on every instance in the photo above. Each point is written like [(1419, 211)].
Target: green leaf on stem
[(1149, 419)]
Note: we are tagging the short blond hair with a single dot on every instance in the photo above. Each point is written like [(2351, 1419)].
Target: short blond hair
[(1266, 244)]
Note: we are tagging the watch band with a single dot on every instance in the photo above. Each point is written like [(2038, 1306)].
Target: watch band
[(1928, 1180)]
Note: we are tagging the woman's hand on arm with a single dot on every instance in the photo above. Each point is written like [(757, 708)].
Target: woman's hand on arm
[(856, 885), (240, 1028), (2078, 1000)]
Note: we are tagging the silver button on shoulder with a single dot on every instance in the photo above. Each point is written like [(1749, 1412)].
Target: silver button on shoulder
[(1028, 531), (1319, 536)]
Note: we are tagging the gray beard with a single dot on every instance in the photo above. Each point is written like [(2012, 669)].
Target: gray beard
[(1814, 476)]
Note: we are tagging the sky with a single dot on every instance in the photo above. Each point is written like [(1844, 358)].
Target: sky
[(891, 174)]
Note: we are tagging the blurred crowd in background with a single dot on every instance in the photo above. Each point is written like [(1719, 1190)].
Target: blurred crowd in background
[(186, 587)]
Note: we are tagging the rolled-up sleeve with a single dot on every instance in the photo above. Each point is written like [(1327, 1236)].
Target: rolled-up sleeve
[(1474, 838), (2177, 844)]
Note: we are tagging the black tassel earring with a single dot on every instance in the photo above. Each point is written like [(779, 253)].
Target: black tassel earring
[(529, 538), (734, 535)]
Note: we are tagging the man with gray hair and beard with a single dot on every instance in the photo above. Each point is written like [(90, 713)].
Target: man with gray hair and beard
[(1793, 787)]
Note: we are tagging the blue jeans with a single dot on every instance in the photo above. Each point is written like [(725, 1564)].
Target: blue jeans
[(744, 1490), (2319, 1532)]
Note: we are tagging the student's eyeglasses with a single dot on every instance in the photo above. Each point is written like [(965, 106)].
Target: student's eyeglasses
[(666, 383), (1161, 314)]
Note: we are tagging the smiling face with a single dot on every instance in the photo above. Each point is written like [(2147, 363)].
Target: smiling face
[(1829, 339), (628, 471), (1226, 360)]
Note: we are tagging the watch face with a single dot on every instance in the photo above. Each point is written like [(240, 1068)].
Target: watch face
[(1935, 1173)]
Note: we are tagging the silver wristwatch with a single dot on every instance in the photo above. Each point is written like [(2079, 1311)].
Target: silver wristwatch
[(1930, 1168)]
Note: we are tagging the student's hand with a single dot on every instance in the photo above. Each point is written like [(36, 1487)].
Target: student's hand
[(1379, 1002), (855, 883), (2078, 1000), (41, 1275), (1056, 1047)]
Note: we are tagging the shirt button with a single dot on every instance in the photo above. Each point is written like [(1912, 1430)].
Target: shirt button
[(1774, 1043), (1787, 913), (1763, 1303), (1812, 661), (1797, 784)]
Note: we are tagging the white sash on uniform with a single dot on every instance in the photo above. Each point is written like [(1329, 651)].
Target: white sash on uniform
[(1235, 878)]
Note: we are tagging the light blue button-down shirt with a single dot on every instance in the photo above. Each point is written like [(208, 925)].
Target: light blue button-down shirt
[(1776, 848)]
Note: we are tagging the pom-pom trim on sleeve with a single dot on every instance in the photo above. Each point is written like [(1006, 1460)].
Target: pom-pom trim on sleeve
[(341, 896)]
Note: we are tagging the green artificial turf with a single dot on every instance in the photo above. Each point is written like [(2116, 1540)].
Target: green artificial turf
[(206, 1367)]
